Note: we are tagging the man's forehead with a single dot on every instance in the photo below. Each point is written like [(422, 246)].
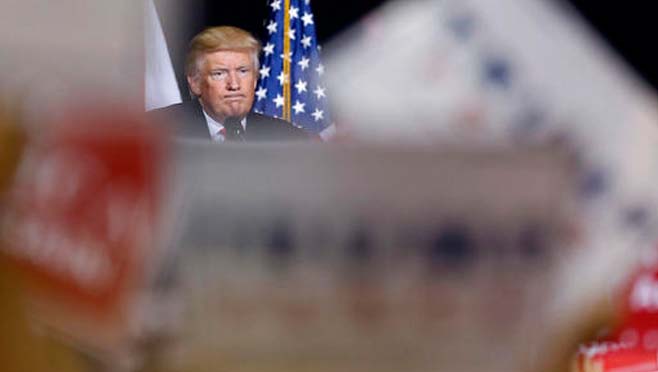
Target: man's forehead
[(220, 56)]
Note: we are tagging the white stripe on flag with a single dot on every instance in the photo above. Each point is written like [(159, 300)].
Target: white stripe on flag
[(160, 85)]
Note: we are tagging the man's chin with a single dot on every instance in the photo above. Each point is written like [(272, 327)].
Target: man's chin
[(236, 110), (236, 114)]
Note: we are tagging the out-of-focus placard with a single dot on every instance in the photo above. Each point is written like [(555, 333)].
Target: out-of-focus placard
[(369, 259), (74, 50), (81, 222)]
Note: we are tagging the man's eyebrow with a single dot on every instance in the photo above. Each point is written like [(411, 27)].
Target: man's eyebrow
[(224, 69)]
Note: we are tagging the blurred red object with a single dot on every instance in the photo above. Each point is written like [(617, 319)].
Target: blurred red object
[(616, 357), (633, 344), (81, 221)]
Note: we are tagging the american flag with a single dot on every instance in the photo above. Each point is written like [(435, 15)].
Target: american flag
[(291, 74)]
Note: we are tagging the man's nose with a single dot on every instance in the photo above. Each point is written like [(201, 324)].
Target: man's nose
[(233, 81)]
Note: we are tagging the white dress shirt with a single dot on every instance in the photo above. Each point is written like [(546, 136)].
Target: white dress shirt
[(215, 128)]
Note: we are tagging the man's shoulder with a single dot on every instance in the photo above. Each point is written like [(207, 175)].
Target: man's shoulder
[(267, 120), (177, 109), (269, 128), (186, 119)]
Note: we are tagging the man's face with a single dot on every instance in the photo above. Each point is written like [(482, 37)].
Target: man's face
[(225, 83)]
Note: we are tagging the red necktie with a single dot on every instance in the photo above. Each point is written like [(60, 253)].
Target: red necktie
[(221, 132)]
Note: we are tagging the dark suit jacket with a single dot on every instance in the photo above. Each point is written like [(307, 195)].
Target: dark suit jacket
[(190, 123)]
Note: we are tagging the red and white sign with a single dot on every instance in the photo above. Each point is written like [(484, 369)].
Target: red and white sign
[(633, 346), (616, 357), (84, 209)]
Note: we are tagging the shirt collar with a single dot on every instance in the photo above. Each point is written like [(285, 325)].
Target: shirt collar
[(214, 127)]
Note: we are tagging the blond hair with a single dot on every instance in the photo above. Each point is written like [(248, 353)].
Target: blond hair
[(220, 38)]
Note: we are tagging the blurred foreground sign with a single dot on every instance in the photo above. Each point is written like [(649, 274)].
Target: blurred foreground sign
[(632, 345), (81, 219), (342, 258)]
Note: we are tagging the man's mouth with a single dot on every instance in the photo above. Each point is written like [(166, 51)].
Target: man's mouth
[(234, 97)]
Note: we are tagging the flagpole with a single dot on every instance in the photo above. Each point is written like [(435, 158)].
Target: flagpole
[(286, 62)]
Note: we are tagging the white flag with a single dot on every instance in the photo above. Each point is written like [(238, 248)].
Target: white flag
[(161, 87)]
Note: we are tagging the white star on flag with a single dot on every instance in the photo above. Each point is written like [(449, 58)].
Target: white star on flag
[(283, 78), (307, 19), (320, 92), (299, 107), (265, 72), (303, 63), (306, 41), (301, 86), (291, 34), (294, 13), (279, 100), (276, 5), (318, 115), (320, 69), (261, 93), (271, 28), (269, 49)]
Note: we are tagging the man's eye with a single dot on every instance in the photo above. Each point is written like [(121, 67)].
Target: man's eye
[(216, 74)]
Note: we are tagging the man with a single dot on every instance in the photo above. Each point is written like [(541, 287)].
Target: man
[(222, 73)]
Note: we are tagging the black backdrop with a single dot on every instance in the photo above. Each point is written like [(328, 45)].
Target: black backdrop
[(629, 27)]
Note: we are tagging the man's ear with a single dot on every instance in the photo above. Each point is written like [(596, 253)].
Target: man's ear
[(195, 86)]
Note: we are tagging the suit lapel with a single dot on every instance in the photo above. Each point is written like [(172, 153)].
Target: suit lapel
[(195, 125)]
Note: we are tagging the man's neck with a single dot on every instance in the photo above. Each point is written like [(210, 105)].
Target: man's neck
[(220, 119)]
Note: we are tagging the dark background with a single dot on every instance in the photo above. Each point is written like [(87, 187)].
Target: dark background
[(627, 26), (630, 28)]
